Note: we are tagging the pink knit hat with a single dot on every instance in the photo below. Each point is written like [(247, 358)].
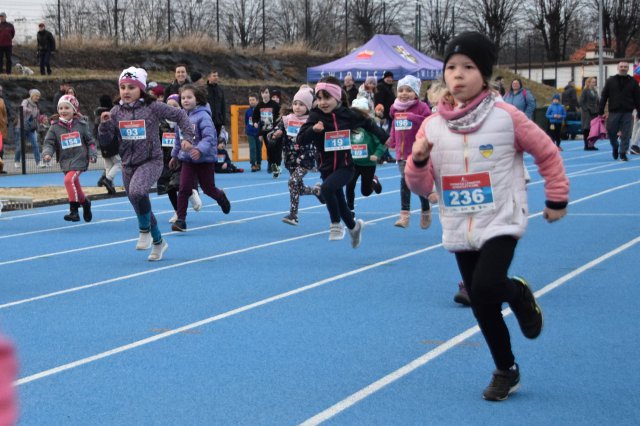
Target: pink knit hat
[(71, 101), (304, 96)]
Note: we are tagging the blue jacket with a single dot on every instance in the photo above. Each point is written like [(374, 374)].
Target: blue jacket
[(249, 130), (523, 100), (556, 109), (205, 140)]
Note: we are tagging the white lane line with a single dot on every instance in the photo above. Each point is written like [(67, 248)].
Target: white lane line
[(218, 317), (214, 225), (176, 265), (424, 359)]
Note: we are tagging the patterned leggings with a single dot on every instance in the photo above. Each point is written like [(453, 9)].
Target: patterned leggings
[(297, 188)]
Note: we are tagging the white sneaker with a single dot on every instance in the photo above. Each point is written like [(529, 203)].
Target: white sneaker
[(158, 250), (173, 218), (196, 202), (41, 164), (17, 165), (336, 232), (144, 241), (356, 233)]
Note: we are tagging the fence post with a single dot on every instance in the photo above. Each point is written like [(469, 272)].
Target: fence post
[(23, 148)]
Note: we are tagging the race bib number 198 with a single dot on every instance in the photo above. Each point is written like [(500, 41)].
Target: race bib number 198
[(467, 193)]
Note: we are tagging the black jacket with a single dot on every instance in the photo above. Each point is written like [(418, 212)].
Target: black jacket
[(622, 92), (385, 96), (346, 119), (215, 95), (351, 93), (46, 41), (174, 88)]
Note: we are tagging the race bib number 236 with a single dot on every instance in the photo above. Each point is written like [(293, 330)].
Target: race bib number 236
[(467, 193)]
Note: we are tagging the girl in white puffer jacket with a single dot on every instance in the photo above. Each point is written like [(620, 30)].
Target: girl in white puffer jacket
[(472, 150)]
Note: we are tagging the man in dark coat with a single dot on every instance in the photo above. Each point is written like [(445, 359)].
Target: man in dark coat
[(215, 94), (385, 94), (570, 97), (7, 32), (350, 88), (46, 46), (182, 78)]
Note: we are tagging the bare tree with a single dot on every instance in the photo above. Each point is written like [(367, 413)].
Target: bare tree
[(621, 22), (440, 24), (495, 18), (552, 20), (245, 22), (369, 17)]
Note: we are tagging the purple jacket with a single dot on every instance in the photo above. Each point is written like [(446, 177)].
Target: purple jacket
[(205, 140), (402, 140), (137, 150)]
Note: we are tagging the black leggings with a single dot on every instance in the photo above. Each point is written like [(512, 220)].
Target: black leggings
[(333, 194), (366, 184), (484, 273)]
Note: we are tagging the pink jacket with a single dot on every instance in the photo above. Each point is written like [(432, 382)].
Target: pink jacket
[(597, 131), (8, 372), (402, 140), (493, 155)]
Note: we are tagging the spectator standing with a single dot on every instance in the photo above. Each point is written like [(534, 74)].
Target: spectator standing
[(350, 88), (7, 32), (570, 98), (181, 78), (215, 96), (385, 95), (255, 147), (46, 46), (589, 102), (622, 93), (521, 98), (31, 112), (64, 88), (6, 115), (556, 114)]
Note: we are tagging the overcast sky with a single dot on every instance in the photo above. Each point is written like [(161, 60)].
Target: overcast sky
[(25, 15)]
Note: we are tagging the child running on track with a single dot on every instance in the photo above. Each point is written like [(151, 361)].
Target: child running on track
[(366, 149), (407, 114), (329, 128), (298, 159), (136, 122), (197, 156), (70, 137), (472, 150)]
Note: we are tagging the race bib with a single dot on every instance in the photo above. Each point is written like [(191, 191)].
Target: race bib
[(401, 121), (168, 140), (132, 129), (339, 140), (467, 193), (221, 158), (293, 128), (359, 151), (70, 140)]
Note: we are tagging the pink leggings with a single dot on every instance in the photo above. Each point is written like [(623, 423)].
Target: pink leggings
[(72, 185)]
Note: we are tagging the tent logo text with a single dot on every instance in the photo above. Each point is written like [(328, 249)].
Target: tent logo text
[(405, 54), (365, 54)]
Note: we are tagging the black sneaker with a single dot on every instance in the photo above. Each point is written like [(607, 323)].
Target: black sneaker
[(179, 226), (101, 180), (377, 186), (503, 383), (623, 157), (224, 204), (276, 171), (86, 210), (614, 152), (108, 183), (462, 297), (635, 150), (527, 311), (72, 216)]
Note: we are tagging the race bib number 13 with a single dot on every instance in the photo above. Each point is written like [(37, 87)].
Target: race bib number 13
[(467, 193)]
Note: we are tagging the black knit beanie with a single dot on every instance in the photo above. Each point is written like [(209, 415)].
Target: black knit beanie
[(476, 46)]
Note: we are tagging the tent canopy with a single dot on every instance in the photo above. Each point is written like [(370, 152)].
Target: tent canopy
[(381, 53)]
